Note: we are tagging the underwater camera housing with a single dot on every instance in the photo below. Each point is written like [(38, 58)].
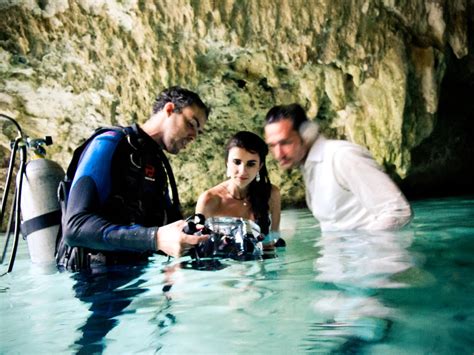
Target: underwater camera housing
[(229, 237)]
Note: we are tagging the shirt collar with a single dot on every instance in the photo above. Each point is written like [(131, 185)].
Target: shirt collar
[(316, 151)]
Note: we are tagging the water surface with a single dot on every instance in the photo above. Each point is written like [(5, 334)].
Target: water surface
[(404, 292)]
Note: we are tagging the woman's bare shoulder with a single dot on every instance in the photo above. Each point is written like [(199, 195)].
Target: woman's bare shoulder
[(210, 200), (209, 196)]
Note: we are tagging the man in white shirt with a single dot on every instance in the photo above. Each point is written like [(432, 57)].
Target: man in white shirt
[(345, 188)]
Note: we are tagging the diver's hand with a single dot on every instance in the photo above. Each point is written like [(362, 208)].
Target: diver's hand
[(171, 239)]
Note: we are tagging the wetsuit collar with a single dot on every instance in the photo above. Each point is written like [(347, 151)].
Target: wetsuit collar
[(143, 138)]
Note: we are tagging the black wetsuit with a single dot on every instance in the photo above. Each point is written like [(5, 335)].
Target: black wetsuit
[(118, 199)]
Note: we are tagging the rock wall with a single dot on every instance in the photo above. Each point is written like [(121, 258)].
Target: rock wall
[(369, 71)]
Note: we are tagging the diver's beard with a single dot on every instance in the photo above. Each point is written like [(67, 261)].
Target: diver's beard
[(173, 150), (176, 147)]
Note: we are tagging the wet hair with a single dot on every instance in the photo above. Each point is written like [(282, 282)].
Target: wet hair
[(259, 191), (181, 98), (293, 112)]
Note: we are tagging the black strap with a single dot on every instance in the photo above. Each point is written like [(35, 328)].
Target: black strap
[(132, 133), (169, 172), (40, 222)]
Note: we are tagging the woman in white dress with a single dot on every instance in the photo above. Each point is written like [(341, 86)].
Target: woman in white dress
[(248, 192)]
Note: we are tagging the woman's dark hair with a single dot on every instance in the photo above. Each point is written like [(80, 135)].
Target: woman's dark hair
[(259, 191), (181, 98)]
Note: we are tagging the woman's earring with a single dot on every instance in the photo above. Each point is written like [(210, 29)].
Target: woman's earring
[(257, 178)]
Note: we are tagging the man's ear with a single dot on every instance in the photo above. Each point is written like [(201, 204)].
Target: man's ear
[(169, 108)]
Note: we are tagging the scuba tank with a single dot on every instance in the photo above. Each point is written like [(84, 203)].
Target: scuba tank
[(40, 210)]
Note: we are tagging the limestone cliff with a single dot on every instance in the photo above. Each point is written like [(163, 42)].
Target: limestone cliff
[(369, 71)]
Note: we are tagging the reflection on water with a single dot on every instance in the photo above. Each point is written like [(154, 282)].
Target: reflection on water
[(107, 296), (357, 264), (363, 259), (360, 293)]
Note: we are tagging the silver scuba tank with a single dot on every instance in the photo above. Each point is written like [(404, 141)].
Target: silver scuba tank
[(41, 215)]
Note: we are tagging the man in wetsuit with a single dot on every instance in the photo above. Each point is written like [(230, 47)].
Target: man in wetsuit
[(119, 209), (345, 188)]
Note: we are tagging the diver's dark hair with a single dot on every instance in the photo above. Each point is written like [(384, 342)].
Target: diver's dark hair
[(181, 98), (259, 191), (293, 112)]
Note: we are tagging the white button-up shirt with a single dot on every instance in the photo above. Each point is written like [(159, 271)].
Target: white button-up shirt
[(346, 189)]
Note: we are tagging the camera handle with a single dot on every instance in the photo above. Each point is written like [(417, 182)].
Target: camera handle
[(193, 221)]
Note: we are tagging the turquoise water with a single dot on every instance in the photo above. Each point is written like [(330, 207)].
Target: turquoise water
[(407, 292)]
